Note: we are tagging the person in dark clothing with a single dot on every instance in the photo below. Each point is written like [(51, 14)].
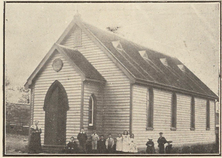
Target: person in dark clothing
[(150, 146), (34, 144), (102, 145), (72, 146), (169, 147), (82, 137), (161, 141)]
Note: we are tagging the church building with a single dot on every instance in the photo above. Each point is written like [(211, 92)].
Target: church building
[(94, 79)]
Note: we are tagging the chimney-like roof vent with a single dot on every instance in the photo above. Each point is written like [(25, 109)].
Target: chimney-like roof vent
[(181, 67), (164, 61), (117, 45), (143, 54)]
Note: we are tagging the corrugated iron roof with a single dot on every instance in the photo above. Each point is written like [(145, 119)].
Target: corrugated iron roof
[(152, 69)]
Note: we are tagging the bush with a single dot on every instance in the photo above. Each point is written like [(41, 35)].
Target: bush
[(197, 148)]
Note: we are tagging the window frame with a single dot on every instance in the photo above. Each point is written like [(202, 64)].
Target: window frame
[(150, 109), (173, 112), (92, 110), (192, 114), (208, 115)]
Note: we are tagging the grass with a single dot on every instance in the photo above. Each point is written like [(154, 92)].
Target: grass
[(16, 143)]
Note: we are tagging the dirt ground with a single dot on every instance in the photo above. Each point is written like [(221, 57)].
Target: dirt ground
[(16, 144)]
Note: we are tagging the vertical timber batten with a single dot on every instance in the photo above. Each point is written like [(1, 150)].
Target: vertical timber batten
[(131, 108), (82, 104)]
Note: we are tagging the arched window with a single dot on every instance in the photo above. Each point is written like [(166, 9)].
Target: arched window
[(192, 123), (174, 112), (150, 109), (208, 115), (92, 110)]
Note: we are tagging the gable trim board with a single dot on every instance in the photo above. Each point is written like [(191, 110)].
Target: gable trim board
[(82, 105), (93, 75), (133, 79), (121, 102)]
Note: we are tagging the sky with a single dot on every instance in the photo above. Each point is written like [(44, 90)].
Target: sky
[(187, 31)]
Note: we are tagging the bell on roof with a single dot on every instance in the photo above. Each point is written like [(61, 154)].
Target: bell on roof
[(181, 67), (164, 61), (143, 54), (117, 45)]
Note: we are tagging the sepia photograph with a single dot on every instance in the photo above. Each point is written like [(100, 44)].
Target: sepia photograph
[(111, 78)]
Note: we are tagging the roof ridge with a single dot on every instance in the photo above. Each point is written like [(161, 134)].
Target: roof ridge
[(124, 39)]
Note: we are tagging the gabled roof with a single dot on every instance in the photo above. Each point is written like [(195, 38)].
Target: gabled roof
[(76, 59), (127, 56), (83, 64), (152, 71)]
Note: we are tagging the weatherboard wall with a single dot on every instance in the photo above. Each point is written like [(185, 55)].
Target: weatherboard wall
[(93, 88), (162, 118), (71, 82), (116, 99)]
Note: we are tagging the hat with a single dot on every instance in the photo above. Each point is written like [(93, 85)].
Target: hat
[(161, 133), (150, 138)]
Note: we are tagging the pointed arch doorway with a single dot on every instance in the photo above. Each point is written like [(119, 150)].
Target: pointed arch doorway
[(55, 106)]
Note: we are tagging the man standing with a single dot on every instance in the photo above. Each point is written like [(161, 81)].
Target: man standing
[(109, 144), (94, 138), (82, 137), (161, 141)]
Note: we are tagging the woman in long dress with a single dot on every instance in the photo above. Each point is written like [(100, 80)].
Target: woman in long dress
[(34, 145), (126, 141), (133, 146), (119, 143)]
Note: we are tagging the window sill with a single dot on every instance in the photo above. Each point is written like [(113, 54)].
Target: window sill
[(149, 128), (91, 127), (207, 129), (192, 129), (173, 128)]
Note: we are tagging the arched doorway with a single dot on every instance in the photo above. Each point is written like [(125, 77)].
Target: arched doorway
[(55, 106)]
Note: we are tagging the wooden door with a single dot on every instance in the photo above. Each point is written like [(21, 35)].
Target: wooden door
[(56, 106)]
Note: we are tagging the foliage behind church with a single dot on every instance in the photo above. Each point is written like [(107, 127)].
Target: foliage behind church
[(17, 118)]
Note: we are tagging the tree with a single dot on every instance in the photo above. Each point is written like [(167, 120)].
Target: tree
[(113, 29)]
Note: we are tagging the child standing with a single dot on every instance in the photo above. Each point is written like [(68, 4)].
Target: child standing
[(94, 138), (109, 144), (133, 146), (119, 143), (126, 141), (150, 146), (102, 145)]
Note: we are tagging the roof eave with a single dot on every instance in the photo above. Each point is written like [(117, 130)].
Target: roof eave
[(95, 80), (29, 81), (172, 88), (38, 68)]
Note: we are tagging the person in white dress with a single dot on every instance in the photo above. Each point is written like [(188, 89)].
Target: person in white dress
[(119, 143), (133, 146), (126, 141)]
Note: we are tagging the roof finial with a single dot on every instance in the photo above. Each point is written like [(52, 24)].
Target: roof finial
[(77, 16)]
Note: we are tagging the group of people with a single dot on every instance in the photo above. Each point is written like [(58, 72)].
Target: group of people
[(98, 144), (161, 142), (123, 143)]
